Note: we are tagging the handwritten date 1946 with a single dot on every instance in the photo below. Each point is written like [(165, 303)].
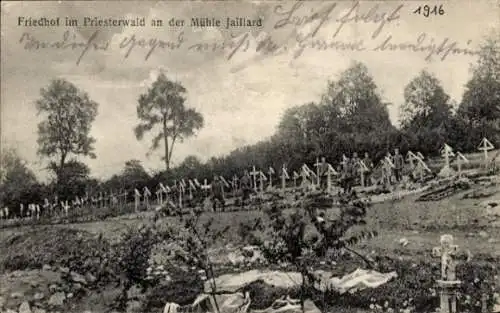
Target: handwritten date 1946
[(427, 10)]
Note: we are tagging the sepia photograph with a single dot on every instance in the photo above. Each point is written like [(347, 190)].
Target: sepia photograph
[(250, 156)]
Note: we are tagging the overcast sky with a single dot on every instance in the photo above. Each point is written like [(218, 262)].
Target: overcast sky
[(243, 98)]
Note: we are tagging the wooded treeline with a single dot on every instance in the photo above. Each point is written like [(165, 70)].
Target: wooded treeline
[(350, 116)]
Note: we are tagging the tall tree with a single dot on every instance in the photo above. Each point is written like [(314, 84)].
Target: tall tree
[(15, 177), (427, 105), (354, 103), (65, 130), (481, 99), (163, 107)]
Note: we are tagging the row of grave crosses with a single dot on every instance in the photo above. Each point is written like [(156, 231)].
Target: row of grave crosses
[(448, 153)]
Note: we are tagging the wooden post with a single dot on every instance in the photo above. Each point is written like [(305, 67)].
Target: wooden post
[(448, 284), (181, 193)]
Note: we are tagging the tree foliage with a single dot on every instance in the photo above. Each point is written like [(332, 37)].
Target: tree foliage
[(65, 130), (426, 106), (481, 99), (16, 179), (163, 107)]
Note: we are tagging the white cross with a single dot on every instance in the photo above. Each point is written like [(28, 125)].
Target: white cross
[(254, 174), (447, 152), (205, 186), (317, 164), (485, 146)]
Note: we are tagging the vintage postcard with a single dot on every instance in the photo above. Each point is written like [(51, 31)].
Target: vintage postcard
[(250, 156)]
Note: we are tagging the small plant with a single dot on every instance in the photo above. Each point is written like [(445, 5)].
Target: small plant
[(301, 238), (194, 240)]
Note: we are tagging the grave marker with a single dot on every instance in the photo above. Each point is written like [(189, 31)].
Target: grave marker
[(421, 168), (65, 207), (448, 284), (295, 177), (262, 179), (411, 157), (37, 211), (485, 146), (197, 183), (224, 181), (254, 174), (270, 173), (137, 199), (205, 187), (284, 177), (329, 173), (192, 187), (447, 152), (146, 195), (318, 164), (461, 159), (182, 190), (159, 196)]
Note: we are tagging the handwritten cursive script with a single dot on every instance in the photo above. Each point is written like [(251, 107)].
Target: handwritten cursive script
[(68, 42)]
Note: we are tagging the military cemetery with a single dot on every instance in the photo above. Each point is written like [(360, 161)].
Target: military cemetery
[(357, 199)]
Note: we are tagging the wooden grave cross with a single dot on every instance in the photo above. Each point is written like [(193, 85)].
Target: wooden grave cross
[(448, 284), (284, 177), (38, 211), (329, 173), (485, 146), (305, 173), (182, 190), (270, 173), (447, 152), (197, 183), (411, 157), (65, 206), (254, 174), (224, 181), (205, 187), (421, 168), (146, 195), (21, 207), (262, 179), (461, 159), (159, 196), (295, 177), (192, 187), (137, 199), (318, 164)]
